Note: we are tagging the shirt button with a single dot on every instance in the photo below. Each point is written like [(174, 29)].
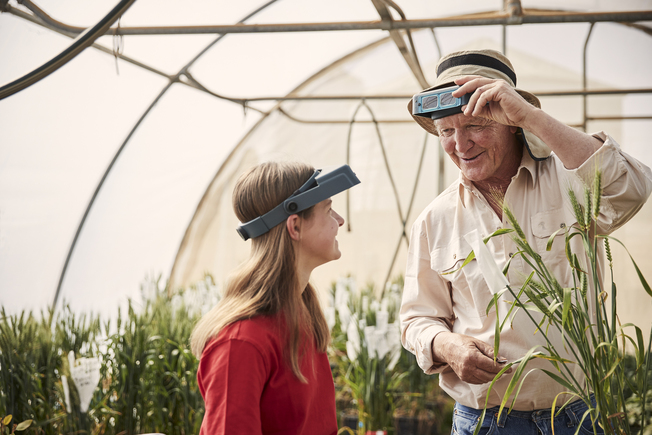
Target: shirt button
[(454, 256), (563, 225), (511, 254)]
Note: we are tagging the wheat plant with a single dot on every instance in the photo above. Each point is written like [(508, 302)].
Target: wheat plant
[(591, 331)]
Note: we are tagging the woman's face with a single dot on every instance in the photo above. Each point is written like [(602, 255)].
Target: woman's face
[(318, 243)]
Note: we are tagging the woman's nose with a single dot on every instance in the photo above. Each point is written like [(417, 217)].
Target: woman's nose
[(338, 218)]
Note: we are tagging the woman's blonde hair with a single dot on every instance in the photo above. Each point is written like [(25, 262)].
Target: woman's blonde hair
[(267, 283)]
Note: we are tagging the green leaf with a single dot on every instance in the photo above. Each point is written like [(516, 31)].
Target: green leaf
[(515, 306), (498, 375), (613, 368), (469, 258), (646, 286), (6, 420), (567, 304), (494, 300), (479, 425), (497, 330), (553, 307), (552, 238), (641, 278), (24, 425), (508, 263), (522, 363), (499, 232), (640, 351), (554, 403)]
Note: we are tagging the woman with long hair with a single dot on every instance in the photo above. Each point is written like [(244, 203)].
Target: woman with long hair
[(263, 367)]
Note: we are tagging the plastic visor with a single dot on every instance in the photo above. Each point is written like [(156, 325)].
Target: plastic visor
[(438, 103), (320, 186)]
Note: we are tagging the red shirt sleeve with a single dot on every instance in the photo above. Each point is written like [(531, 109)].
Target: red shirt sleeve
[(232, 375)]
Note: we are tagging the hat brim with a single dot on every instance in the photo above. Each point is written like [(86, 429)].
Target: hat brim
[(537, 149)]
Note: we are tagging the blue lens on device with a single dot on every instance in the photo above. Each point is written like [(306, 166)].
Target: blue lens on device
[(438, 103)]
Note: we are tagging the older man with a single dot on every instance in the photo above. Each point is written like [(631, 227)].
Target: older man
[(502, 141)]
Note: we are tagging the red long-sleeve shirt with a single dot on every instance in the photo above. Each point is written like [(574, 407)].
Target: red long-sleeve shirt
[(248, 388)]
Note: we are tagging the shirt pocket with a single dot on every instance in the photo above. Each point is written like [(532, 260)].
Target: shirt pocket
[(544, 225), (468, 289), (447, 260)]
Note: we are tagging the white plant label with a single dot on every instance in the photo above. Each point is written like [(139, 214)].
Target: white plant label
[(85, 373)]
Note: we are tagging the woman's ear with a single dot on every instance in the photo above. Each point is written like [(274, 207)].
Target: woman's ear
[(293, 225)]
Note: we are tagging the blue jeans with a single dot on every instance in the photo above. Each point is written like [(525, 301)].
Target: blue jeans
[(537, 422)]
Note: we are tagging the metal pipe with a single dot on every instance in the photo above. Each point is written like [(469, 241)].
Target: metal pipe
[(40, 13), (84, 40), (410, 120), (584, 76), (408, 53), (459, 21), (394, 25), (593, 92), (434, 37), (618, 118), (405, 97)]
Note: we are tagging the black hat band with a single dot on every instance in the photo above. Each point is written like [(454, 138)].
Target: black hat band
[(477, 59)]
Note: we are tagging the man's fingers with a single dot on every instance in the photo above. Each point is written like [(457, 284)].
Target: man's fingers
[(471, 359), (485, 349), (486, 361), (478, 376)]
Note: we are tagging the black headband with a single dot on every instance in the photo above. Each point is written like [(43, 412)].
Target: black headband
[(477, 59)]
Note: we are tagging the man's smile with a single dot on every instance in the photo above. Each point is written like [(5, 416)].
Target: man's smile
[(470, 159)]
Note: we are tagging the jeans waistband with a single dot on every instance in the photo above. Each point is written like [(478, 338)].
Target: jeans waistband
[(572, 410)]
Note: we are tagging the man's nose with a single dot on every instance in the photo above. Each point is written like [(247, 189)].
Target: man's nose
[(462, 141)]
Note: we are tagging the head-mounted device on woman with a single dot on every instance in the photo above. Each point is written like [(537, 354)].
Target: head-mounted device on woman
[(320, 186)]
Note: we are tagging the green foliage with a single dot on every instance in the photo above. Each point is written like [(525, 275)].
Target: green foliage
[(586, 318), (6, 427), (33, 358), (380, 378), (148, 374)]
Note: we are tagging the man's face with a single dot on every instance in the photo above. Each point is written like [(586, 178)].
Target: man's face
[(484, 150)]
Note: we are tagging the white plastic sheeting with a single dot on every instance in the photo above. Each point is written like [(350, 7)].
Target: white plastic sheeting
[(58, 136)]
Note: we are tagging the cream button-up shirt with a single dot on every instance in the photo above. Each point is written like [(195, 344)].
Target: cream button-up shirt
[(436, 300)]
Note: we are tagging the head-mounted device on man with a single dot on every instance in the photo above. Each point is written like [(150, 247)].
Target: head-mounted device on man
[(438, 103), (320, 186)]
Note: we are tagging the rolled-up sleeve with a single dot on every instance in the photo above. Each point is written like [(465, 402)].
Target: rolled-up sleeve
[(626, 183), (426, 308)]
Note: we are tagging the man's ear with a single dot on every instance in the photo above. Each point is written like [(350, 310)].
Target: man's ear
[(293, 225)]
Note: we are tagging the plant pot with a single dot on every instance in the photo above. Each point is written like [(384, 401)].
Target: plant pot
[(406, 425), (350, 421), (412, 425)]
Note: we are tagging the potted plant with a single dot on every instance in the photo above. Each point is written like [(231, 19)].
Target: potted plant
[(366, 347)]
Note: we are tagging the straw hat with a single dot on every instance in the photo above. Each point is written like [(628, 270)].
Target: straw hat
[(490, 64)]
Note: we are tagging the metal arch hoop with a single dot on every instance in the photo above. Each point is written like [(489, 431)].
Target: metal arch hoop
[(84, 40), (402, 218), (173, 79)]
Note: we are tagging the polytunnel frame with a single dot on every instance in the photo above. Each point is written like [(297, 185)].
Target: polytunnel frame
[(512, 14)]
